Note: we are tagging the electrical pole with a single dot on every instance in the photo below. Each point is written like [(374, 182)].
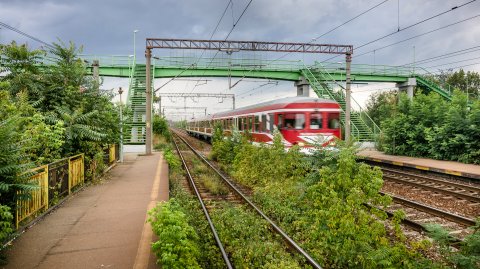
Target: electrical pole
[(120, 91), (148, 105), (348, 98), (96, 72)]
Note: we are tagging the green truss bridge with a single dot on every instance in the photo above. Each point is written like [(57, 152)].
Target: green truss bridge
[(324, 78)]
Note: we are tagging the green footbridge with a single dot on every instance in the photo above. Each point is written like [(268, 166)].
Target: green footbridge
[(326, 80)]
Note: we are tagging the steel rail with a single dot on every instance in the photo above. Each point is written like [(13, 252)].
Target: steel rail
[(431, 210), (434, 189), (204, 208), (431, 179), (289, 240)]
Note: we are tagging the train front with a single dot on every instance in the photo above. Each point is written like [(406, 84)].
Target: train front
[(310, 123)]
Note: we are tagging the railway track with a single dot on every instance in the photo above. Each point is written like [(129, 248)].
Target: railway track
[(418, 214), (454, 189), (236, 195)]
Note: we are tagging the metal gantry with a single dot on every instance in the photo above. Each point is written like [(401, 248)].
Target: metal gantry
[(231, 46)]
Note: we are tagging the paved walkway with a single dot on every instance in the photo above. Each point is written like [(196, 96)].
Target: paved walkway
[(447, 167), (102, 226)]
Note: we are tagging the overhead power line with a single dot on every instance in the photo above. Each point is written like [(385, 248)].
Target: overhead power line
[(25, 34), (415, 24), (444, 56), (239, 18), (466, 60), (419, 35), (203, 52), (316, 38), (403, 29), (338, 26)]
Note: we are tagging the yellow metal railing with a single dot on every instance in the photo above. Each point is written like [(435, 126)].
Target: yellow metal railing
[(111, 154), (76, 172), (38, 199)]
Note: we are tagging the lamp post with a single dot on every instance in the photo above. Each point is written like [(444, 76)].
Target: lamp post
[(120, 91), (134, 34)]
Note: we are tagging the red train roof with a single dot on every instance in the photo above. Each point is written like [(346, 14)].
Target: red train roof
[(283, 103)]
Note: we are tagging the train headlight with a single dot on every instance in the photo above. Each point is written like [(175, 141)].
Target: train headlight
[(301, 144)]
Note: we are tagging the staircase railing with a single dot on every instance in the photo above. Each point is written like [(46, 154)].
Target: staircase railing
[(130, 86), (372, 128)]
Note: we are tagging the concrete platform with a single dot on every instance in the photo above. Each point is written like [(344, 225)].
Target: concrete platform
[(446, 167), (103, 226)]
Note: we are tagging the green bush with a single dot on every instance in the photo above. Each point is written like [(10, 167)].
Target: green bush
[(177, 241), (467, 253), (160, 127), (429, 126)]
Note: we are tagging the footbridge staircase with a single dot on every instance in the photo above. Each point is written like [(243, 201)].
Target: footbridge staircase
[(134, 133), (363, 128)]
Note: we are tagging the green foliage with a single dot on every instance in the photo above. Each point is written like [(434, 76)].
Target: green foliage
[(381, 105), (177, 240), (467, 82), (6, 229), (172, 159), (431, 127), (257, 166), (467, 254), (248, 240), (14, 163), (321, 201), (6, 219), (160, 127), (224, 149), (22, 72)]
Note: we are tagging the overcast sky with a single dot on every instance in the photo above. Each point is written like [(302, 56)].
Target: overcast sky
[(105, 27)]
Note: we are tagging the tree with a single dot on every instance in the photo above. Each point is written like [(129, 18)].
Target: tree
[(467, 82)]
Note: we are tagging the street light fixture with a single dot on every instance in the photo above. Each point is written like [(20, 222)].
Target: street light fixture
[(134, 53), (120, 91)]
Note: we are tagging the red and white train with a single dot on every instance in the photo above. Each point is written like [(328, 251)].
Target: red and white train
[(302, 121)]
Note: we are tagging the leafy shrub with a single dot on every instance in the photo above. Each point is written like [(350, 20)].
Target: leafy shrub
[(257, 166), (467, 256), (171, 158), (248, 240), (429, 126), (177, 241), (160, 127)]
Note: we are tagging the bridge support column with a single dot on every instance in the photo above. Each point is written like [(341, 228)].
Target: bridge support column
[(303, 87), (408, 86)]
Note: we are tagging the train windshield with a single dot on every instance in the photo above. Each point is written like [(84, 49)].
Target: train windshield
[(316, 120), (334, 121), (294, 120)]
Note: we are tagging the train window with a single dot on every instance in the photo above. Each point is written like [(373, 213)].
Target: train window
[(257, 124), (264, 123), (270, 122), (315, 120), (333, 121), (241, 121), (294, 120), (280, 121), (250, 123)]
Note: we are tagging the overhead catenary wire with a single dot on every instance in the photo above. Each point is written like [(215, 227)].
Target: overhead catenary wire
[(228, 35), (419, 35), (406, 28), (465, 60), (203, 52), (18, 31), (444, 56), (338, 26), (329, 31)]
